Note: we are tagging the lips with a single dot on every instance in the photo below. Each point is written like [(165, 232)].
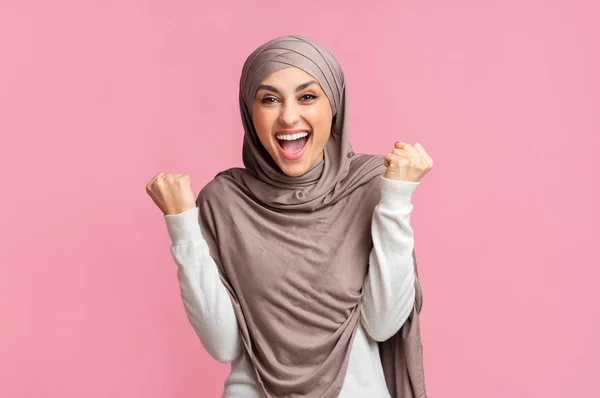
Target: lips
[(292, 143)]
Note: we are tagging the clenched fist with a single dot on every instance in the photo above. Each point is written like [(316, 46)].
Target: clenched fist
[(407, 163), (172, 193)]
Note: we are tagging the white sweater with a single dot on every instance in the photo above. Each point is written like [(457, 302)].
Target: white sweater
[(388, 295)]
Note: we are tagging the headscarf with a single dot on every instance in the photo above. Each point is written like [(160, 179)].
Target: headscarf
[(293, 252)]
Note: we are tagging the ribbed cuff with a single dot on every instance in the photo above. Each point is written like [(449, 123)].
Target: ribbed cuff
[(396, 194), (184, 227)]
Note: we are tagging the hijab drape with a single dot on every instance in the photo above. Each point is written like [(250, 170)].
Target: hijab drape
[(293, 252)]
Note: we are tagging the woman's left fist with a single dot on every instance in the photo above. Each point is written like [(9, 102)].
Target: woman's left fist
[(407, 162)]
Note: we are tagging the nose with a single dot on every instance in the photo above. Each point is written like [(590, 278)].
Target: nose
[(289, 115)]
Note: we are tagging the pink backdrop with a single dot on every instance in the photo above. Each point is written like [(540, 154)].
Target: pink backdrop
[(96, 97)]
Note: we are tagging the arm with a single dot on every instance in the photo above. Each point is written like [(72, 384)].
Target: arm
[(205, 298), (389, 287)]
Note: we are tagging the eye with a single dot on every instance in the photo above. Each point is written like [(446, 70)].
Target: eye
[(268, 100), (309, 97)]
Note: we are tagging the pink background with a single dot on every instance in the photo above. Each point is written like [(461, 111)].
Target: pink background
[(96, 97)]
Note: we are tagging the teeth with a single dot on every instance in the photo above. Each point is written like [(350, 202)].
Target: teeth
[(291, 137)]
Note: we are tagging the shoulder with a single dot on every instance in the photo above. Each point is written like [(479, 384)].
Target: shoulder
[(367, 163), (365, 172), (212, 189), (213, 201), (215, 190), (225, 186), (370, 167)]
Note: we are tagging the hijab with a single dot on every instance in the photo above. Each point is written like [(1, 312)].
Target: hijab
[(293, 252)]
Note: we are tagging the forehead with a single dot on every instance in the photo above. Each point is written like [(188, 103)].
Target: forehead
[(288, 78)]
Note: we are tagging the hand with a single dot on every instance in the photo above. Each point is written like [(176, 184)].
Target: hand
[(407, 163), (172, 193)]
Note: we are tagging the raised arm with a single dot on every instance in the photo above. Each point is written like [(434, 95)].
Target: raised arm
[(205, 298), (389, 290)]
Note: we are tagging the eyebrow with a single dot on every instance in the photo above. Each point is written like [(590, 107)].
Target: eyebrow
[(298, 89)]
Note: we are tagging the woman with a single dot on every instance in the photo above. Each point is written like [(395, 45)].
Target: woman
[(299, 268)]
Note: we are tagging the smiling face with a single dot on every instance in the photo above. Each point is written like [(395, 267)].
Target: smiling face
[(292, 117)]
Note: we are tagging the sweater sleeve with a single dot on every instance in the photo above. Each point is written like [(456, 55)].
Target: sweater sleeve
[(205, 298), (389, 290)]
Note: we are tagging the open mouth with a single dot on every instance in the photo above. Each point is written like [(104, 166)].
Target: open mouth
[(293, 146)]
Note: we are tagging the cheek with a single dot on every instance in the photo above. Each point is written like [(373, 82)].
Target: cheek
[(262, 124), (320, 120), (264, 137)]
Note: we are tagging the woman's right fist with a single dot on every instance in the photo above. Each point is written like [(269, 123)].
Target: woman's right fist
[(172, 193)]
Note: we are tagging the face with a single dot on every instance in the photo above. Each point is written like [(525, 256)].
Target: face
[(292, 117)]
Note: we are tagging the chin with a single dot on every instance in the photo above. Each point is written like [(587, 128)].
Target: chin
[(294, 170)]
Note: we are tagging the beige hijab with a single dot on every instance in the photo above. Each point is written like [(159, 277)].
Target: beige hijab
[(293, 252)]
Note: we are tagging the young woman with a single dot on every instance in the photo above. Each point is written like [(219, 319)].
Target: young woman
[(299, 268)]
